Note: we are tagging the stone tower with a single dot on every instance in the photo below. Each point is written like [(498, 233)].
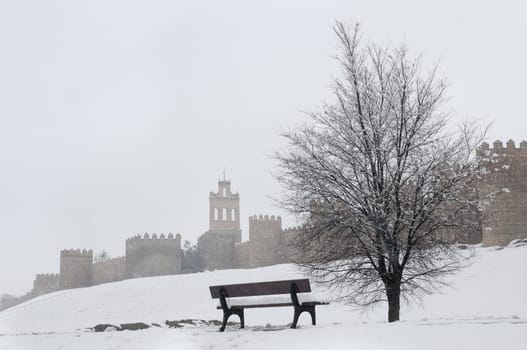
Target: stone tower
[(216, 246), (505, 216), (265, 237), (75, 268)]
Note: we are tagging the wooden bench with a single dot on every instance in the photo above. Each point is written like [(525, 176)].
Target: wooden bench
[(232, 306)]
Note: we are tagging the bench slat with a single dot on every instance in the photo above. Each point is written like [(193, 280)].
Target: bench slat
[(260, 288), (257, 306), (273, 305)]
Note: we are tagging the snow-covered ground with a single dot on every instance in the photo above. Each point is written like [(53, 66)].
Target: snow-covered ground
[(485, 308)]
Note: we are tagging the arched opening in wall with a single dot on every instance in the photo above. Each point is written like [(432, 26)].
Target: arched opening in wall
[(224, 192), (216, 214), (233, 214), (224, 214)]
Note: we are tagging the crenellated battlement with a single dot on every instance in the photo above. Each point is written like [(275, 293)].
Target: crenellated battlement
[(116, 260), (502, 162), (292, 230), (265, 218), (499, 148), (76, 253), (154, 237), (46, 275), (147, 241)]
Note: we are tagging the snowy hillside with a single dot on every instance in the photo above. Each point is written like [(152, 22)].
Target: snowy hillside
[(486, 308)]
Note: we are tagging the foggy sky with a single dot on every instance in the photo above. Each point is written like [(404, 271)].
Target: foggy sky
[(118, 117)]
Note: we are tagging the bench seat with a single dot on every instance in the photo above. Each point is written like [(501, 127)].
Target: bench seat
[(271, 301)]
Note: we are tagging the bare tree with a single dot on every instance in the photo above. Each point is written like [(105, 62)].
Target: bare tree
[(102, 256), (191, 258), (379, 180)]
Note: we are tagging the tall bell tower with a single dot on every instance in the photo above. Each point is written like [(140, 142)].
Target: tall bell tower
[(216, 246), (224, 209)]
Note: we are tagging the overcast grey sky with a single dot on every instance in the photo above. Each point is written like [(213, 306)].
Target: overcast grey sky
[(118, 117)]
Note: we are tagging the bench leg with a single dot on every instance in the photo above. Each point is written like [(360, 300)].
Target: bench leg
[(242, 319), (225, 318), (313, 315), (299, 310), (227, 314)]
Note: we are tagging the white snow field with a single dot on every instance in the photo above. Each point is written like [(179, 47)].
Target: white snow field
[(485, 308)]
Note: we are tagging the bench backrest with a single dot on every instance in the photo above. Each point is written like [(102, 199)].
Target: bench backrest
[(260, 288)]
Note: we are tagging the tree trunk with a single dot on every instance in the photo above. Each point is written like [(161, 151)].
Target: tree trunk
[(393, 292)]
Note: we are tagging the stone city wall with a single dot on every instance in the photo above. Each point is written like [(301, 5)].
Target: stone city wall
[(153, 256)]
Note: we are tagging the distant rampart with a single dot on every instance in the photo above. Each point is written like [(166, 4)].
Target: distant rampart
[(110, 270), (45, 283), (153, 255)]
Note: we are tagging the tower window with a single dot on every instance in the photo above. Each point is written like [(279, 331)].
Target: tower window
[(224, 214), (233, 214), (216, 214)]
